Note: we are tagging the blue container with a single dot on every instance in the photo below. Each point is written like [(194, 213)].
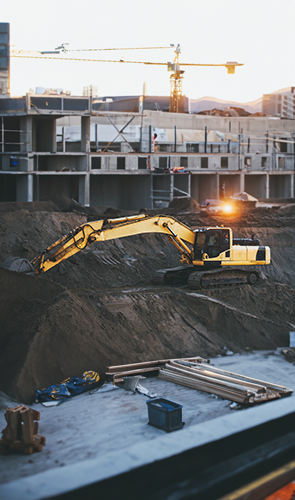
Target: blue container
[(165, 414)]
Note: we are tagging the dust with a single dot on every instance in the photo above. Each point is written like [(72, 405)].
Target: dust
[(100, 307)]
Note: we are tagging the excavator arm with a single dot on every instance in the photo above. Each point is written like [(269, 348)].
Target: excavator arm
[(102, 230)]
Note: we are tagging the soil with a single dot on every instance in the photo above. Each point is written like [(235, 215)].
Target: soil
[(100, 307)]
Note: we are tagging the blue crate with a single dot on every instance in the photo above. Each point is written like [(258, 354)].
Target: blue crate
[(165, 414)]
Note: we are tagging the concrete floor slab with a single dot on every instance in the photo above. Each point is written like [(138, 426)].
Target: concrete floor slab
[(99, 435)]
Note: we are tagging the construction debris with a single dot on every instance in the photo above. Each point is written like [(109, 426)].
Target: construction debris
[(222, 383), (21, 432), (72, 386), (117, 373)]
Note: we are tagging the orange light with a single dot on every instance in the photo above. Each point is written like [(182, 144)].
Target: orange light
[(227, 209)]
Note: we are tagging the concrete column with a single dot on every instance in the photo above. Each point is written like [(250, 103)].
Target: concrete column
[(217, 186), (292, 185), (63, 139), (242, 183), (26, 164), (189, 184), (26, 134), (96, 138), (24, 188), (84, 190), (171, 186), (267, 185), (85, 134), (2, 135)]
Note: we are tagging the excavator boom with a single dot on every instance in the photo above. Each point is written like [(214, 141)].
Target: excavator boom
[(205, 251), (103, 230)]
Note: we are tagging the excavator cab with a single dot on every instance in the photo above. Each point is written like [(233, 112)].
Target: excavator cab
[(212, 242)]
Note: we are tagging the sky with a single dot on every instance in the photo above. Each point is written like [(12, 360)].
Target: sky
[(257, 33)]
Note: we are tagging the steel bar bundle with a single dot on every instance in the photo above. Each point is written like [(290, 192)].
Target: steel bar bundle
[(227, 385)]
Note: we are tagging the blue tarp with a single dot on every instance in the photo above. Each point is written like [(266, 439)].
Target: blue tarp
[(70, 387)]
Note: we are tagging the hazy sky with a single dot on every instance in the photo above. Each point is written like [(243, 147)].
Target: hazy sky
[(258, 33)]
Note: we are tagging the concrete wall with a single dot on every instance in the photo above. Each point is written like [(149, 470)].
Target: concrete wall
[(7, 188), (183, 183), (127, 192), (49, 185), (45, 135), (279, 186), (203, 186), (256, 185), (73, 162), (24, 188)]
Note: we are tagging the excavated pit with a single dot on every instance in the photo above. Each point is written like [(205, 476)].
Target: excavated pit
[(100, 307)]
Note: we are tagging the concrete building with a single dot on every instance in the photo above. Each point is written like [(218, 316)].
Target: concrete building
[(281, 104), (59, 145), (4, 58)]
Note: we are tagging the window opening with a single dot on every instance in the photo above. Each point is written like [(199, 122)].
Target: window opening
[(121, 162), (224, 162), (96, 162), (204, 162)]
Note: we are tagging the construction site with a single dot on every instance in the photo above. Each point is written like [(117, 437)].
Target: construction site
[(147, 267)]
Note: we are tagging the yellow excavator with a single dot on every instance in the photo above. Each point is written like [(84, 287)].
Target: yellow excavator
[(204, 251)]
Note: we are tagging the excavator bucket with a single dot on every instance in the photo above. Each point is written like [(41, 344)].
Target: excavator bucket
[(19, 265)]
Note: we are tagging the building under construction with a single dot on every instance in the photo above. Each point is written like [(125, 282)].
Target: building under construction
[(62, 145)]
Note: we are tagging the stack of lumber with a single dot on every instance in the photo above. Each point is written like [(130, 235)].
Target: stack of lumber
[(117, 373), (222, 383), (21, 432)]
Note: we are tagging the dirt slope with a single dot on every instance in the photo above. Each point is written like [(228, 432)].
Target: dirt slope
[(100, 308)]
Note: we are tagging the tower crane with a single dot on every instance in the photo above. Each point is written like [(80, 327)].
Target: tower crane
[(176, 77)]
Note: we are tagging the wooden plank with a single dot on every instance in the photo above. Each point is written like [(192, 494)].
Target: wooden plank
[(36, 414), (16, 445), (146, 364), (204, 388), (6, 434), (28, 425), (250, 379), (210, 379), (28, 450), (134, 372), (14, 423), (39, 440), (221, 376), (36, 428), (225, 392)]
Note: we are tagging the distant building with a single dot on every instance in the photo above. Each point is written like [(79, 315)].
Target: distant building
[(280, 104), (135, 104), (90, 91), (4, 59)]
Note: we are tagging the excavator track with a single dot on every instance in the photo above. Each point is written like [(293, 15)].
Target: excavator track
[(174, 276), (221, 278)]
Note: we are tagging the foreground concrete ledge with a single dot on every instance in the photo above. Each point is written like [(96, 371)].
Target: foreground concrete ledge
[(64, 479)]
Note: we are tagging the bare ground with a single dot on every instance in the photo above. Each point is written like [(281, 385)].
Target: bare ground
[(100, 308)]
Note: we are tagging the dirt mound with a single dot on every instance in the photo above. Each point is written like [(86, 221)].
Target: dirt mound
[(100, 308), (287, 209), (50, 332), (35, 206), (183, 204)]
